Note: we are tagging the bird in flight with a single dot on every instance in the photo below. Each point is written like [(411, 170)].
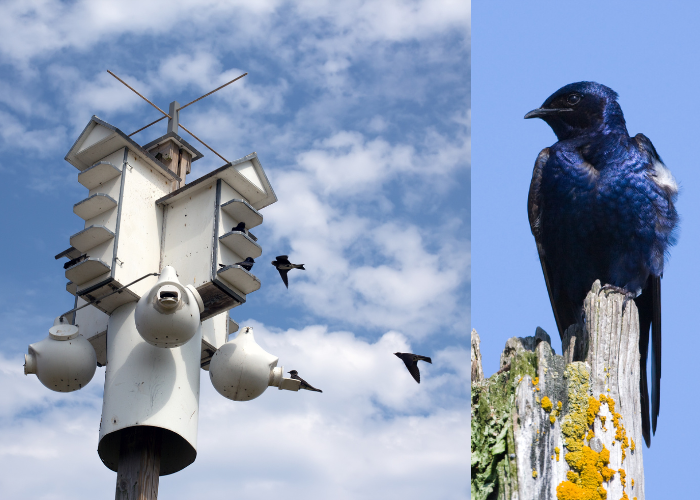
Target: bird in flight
[(601, 206), (283, 265), (411, 362), (247, 264), (304, 383)]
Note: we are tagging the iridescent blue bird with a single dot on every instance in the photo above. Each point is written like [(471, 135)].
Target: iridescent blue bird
[(601, 206)]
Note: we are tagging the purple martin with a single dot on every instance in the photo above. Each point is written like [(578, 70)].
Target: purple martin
[(75, 261), (247, 264), (304, 383), (411, 362), (284, 266), (601, 206)]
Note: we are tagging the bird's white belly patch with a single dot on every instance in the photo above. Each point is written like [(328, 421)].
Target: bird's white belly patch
[(663, 177)]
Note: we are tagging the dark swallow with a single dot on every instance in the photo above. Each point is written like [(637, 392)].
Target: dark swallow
[(247, 264), (240, 227), (411, 362), (304, 383), (75, 261), (601, 207), (284, 266)]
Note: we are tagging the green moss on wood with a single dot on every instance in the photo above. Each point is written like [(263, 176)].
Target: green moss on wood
[(493, 472)]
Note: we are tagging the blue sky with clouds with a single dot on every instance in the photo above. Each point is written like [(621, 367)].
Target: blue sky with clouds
[(646, 53), (360, 114)]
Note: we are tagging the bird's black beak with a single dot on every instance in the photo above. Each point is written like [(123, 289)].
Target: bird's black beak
[(542, 112)]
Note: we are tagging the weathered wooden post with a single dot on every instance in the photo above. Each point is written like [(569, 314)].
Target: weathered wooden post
[(562, 427)]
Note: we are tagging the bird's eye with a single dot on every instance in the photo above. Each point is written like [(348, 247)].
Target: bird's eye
[(573, 99)]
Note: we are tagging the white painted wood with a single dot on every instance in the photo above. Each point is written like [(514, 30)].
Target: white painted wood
[(140, 225), (90, 237), (95, 205), (86, 270), (99, 174), (91, 320), (241, 244), (241, 211), (189, 234), (240, 279)]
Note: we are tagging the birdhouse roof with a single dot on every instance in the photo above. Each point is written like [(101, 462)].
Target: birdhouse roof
[(100, 139), (245, 175)]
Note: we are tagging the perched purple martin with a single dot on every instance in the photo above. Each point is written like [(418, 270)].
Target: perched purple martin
[(411, 362), (247, 264), (75, 261), (304, 383), (601, 206), (284, 266), (240, 227)]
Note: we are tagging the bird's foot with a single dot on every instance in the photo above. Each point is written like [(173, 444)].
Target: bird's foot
[(628, 295)]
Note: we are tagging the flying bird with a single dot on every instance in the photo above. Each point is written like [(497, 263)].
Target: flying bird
[(247, 264), (601, 206), (304, 383), (240, 227), (284, 266), (411, 362)]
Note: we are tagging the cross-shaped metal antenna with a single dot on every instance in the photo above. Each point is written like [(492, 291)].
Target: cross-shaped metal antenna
[(174, 112)]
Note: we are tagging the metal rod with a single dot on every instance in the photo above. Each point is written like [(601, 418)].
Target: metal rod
[(97, 301), (205, 144), (144, 128), (210, 93), (135, 92)]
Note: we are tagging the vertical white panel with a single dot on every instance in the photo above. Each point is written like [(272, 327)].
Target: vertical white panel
[(140, 224), (189, 233)]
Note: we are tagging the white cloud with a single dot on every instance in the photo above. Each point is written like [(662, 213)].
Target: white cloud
[(372, 433)]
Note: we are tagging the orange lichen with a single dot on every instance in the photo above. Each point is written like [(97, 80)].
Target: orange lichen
[(632, 483), (633, 446), (557, 450), (623, 475), (535, 380), (552, 419), (593, 409), (534, 473)]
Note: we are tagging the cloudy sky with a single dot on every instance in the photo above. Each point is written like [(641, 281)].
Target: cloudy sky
[(360, 114), (525, 53)]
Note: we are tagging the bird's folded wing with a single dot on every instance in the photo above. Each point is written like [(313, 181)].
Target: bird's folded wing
[(534, 205)]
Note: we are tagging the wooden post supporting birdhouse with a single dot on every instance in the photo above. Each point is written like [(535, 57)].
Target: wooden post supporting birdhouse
[(562, 427)]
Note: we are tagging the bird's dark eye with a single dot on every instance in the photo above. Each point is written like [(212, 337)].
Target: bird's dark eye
[(573, 99)]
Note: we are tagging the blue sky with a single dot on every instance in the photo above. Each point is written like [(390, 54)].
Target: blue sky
[(360, 114), (523, 53)]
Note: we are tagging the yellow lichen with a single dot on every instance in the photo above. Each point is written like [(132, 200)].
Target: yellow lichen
[(535, 380), (534, 473), (557, 450), (590, 434), (552, 419), (623, 475), (538, 389), (633, 446), (546, 404), (632, 483)]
